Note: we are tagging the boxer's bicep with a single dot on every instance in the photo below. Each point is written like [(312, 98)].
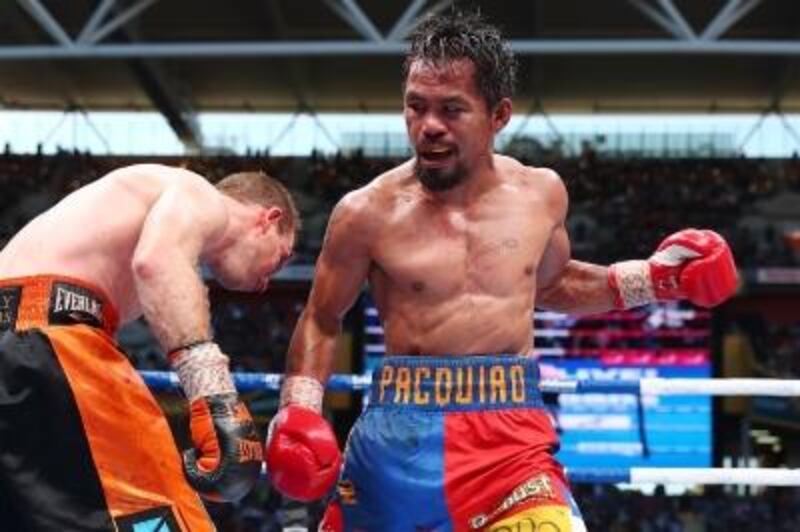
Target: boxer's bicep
[(562, 283), (170, 289), (554, 260), (343, 263), (557, 252), (339, 276)]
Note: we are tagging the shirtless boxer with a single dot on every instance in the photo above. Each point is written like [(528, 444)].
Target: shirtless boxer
[(83, 443), (458, 245)]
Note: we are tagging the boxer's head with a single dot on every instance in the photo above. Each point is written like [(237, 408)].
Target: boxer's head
[(265, 244), (458, 82)]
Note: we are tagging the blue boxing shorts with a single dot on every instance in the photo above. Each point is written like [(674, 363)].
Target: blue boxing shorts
[(454, 443)]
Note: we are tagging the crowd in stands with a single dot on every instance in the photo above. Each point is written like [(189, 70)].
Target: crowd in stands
[(618, 208)]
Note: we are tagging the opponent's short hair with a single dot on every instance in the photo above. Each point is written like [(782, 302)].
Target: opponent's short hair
[(446, 37), (264, 190)]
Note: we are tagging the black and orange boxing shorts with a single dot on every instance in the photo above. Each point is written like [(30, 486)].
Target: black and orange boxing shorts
[(83, 443)]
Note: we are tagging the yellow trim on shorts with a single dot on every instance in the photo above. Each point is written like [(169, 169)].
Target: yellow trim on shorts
[(543, 518)]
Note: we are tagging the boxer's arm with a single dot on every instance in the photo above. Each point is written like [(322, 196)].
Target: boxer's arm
[(564, 284), (568, 285), (302, 453), (183, 221), (341, 271)]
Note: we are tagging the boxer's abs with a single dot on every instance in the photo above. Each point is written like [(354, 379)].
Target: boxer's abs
[(464, 324)]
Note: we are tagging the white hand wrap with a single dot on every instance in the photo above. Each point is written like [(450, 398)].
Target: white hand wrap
[(203, 370), (633, 281), (302, 391)]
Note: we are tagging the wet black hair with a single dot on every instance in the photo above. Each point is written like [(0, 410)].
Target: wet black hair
[(454, 35)]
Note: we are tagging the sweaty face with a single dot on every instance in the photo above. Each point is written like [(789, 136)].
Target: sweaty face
[(448, 122)]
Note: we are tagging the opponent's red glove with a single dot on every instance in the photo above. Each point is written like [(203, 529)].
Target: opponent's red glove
[(691, 264), (225, 462), (302, 454)]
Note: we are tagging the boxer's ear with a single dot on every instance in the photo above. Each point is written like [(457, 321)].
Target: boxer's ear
[(501, 114), (269, 216)]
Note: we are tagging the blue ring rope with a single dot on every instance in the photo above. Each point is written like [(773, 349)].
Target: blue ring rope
[(250, 382)]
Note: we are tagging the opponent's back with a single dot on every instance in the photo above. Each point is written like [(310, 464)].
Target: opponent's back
[(91, 233)]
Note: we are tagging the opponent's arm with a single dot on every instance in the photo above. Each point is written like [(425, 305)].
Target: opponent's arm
[(185, 220), (187, 217), (303, 457)]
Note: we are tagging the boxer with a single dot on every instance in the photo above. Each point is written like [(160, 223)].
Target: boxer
[(83, 443), (458, 246)]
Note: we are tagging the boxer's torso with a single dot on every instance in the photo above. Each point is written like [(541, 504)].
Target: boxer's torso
[(458, 279), (91, 235)]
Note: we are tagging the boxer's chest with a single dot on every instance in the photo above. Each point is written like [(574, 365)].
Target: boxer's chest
[(492, 251)]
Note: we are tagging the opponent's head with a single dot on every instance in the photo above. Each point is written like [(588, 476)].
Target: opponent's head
[(265, 244), (458, 82)]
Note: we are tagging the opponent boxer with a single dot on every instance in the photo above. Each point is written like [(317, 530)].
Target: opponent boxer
[(83, 443), (458, 245)]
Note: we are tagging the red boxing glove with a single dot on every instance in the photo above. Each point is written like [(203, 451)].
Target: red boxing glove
[(691, 264), (303, 458)]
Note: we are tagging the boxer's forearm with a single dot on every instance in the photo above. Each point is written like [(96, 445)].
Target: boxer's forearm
[(174, 301), (313, 346), (580, 288)]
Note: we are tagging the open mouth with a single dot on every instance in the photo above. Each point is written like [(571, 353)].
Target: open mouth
[(432, 156)]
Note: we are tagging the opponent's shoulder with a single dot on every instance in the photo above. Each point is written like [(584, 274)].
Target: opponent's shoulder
[(174, 192), (164, 176), (159, 179)]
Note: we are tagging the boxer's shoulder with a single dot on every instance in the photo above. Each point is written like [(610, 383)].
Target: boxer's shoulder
[(536, 187), (379, 196), (516, 174), (148, 182)]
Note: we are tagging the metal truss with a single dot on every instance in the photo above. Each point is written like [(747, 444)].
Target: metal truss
[(681, 39), (109, 17)]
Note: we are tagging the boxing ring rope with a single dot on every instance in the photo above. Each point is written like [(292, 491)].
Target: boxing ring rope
[(248, 382), (752, 476)]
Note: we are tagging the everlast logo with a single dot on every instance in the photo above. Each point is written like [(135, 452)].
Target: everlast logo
[(449, 386), (250, 451), (9, 304), (72, 304)]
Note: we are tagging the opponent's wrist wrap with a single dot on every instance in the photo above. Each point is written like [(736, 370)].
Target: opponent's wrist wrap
[(203, 370), (632, 283), (302, 391)]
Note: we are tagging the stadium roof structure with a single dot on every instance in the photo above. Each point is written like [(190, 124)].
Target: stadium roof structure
[(184, 56)]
